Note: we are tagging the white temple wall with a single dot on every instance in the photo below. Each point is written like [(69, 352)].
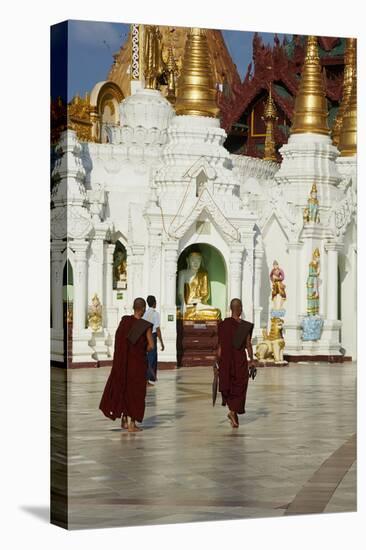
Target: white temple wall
[(307, 159), (347, 263), (95, 270)]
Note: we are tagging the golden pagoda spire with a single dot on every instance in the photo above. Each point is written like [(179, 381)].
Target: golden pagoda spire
[(348, 136), (269, 117), (349, 73), (196, 88), (172, 72), (311, 111)]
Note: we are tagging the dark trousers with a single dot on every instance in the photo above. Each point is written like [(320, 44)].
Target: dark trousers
[(152, 359)]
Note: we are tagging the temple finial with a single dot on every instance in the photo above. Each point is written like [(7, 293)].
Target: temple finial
[(350, 56), (348, 135), (172, 72), (269, 117), (311, 111), (196, 87)]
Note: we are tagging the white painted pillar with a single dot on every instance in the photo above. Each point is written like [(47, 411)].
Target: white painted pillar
[(154, 283), (236, 270), (57, 265), (332, 249), (258, 263), (171, 264), (293, 289), (293, 302), (169, 310), (108, 274), (80, 286), (110, 311), (247, 285), (135, 270)]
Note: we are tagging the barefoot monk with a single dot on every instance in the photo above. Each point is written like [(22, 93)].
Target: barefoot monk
[(125, 390), (234, 343)]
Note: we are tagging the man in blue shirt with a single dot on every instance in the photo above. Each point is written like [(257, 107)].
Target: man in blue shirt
[(153, 317)]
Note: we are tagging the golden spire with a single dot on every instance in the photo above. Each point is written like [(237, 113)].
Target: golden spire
[(349, 73), (196, 88), (311, 111), (172, 71), (348, 136), (269, 117)]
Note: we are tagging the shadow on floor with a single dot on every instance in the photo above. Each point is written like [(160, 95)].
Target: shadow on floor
[(40, 512)]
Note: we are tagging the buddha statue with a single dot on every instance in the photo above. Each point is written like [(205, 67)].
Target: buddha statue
[(95, 314), (194, 291), (119, 270)]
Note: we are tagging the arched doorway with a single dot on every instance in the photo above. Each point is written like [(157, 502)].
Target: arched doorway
[(197, 335)]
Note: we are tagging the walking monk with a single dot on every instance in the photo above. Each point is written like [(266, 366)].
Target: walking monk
[(125, 390), (234, 339)]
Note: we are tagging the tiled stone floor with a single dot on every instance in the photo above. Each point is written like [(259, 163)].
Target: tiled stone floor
[(293, 453)]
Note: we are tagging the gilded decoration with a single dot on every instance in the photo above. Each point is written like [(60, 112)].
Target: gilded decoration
[(350, 58), (95, 314), (196, 85), (270, 118), (270, 348), (153, 63), (348, 136), (311, 108)]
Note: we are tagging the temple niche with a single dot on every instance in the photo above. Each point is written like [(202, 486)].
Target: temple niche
[(119, 267), (201, 283)]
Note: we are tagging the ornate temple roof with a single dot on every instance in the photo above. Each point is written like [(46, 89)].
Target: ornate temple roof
[(281, 65), (240, 103)]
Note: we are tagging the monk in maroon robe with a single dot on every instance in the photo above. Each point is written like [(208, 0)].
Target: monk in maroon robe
[(234, 337), (125, 390)]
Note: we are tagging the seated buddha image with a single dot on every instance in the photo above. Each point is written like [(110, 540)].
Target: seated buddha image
[(119, 270), (194, 291)]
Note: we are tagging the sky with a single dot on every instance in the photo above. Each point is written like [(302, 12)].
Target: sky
[(92, 43)]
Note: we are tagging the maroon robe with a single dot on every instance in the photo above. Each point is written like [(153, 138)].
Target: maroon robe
[(233, 363), (125, 390)]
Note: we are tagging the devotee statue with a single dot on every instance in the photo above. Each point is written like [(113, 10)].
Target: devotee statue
[(194, 291), (311, 212), (312, 284), (95, 314), (277, 277)]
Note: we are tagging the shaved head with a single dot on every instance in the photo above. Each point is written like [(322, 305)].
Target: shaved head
[(139, 305), (236, 307), (235, 302)]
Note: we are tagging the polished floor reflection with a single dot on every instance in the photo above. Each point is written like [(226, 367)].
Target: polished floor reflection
[(293, 453)]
